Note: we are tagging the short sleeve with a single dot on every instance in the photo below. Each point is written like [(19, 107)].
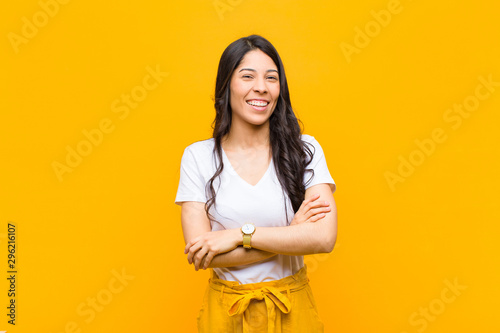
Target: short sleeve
[(191, 183), (318, 164)]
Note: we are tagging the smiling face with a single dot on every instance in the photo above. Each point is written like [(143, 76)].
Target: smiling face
[(255, 89)]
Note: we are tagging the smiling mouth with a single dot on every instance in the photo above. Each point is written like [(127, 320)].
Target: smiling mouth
[(257, 103)]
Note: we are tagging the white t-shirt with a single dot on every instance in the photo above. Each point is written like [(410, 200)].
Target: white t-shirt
[(238, 202)]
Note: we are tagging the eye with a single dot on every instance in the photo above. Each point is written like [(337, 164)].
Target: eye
[(247, 76), (272, 77)]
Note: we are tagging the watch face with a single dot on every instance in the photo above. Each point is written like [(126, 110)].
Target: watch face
[(248, 228)]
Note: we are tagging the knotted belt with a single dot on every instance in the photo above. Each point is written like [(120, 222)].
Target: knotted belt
[(272, 296), (271, 292)]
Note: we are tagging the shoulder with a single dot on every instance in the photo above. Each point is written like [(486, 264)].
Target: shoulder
[(311, 141), (307, 137), (200, 150), (200, 147)]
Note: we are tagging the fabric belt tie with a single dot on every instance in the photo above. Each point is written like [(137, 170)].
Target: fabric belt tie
[(272, 292), (273, 298)]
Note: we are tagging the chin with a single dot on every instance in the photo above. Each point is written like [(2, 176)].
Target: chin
[(257, 123), (258, 120)]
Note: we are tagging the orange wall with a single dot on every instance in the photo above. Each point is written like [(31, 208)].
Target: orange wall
[(402, 95)]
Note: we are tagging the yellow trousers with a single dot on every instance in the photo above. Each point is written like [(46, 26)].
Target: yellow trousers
[(285, 305)]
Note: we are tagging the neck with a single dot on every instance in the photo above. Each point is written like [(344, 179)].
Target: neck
[(247, 136)]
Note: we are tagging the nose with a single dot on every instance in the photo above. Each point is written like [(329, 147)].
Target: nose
[(260, 85)]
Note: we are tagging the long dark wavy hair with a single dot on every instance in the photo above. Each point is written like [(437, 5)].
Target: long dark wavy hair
[(290, 154)]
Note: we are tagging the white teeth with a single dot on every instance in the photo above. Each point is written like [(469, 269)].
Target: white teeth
[(257, 103)]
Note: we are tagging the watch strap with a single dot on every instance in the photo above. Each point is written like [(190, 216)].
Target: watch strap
[(246, 241)]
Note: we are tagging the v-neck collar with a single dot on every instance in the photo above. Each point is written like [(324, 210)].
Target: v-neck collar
[(233, 171)]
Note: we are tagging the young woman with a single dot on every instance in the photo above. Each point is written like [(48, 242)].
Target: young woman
[(255, 199)]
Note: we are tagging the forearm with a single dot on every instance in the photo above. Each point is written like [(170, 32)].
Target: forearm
[(312, 230), (239, 256), (301, 239)]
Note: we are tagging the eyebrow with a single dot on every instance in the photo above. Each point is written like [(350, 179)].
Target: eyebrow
[(253, 70)]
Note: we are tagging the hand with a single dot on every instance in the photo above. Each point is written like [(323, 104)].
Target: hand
[(202, 249), (311, 210)]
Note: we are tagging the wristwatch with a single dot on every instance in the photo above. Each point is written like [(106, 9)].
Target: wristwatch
[(247, 230)]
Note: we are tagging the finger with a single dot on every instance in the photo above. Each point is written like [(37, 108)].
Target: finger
[(193, 250), (202, 263), (317, 203), (199, 257), (189, 244), (320, 210), (208, 259), (303, 204), (313, 211), (186, 248), (312, 198), (306, 204), (308, 214), (309, 206), (317, 217), (308, 200)]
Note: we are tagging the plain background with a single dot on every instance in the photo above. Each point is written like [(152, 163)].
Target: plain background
[(399, 245)]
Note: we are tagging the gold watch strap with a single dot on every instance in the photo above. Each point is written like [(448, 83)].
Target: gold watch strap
[(246, 241)]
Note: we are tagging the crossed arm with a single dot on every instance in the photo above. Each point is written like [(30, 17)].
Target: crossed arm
[(312, 230)]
